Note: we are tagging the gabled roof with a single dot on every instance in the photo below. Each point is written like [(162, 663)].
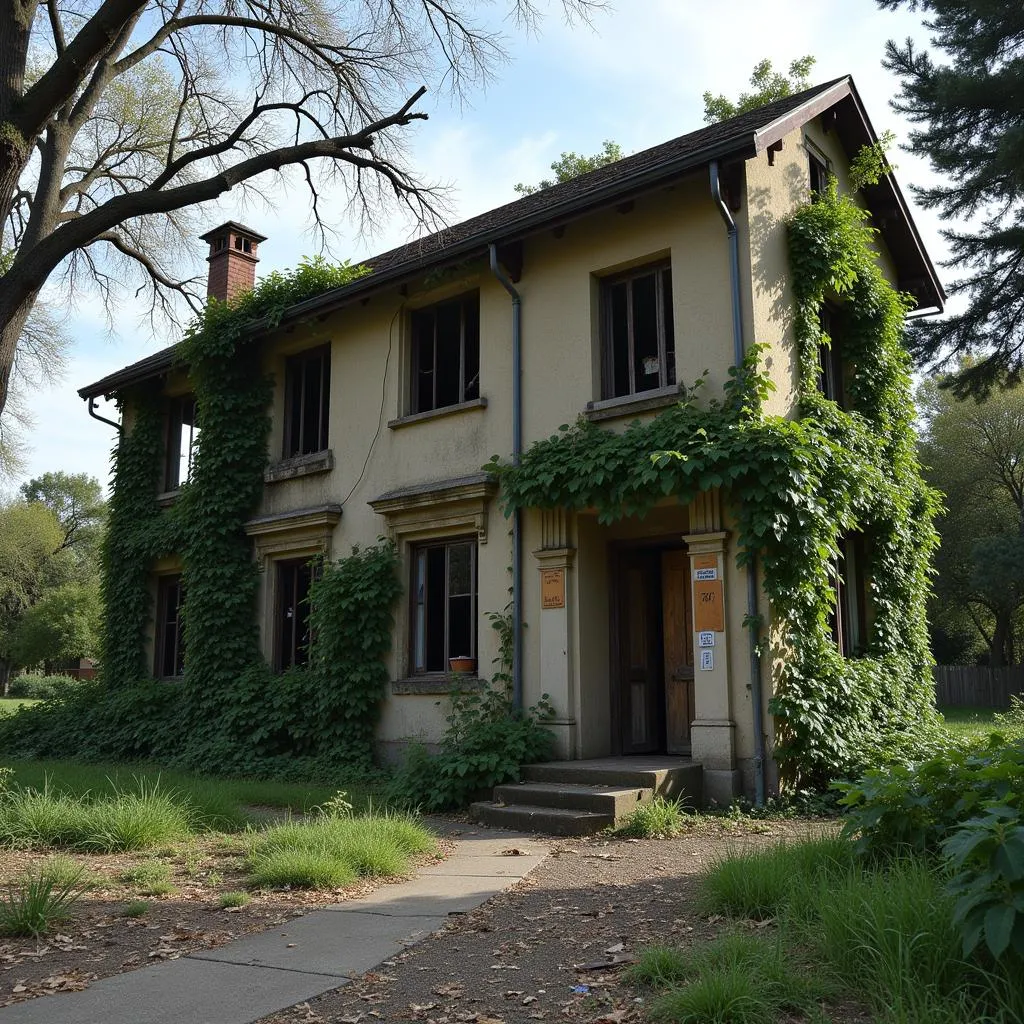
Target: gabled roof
[(738, 138)]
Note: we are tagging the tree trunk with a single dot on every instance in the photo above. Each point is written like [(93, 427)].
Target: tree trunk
[(5, 677), (11, 325), (1000, 638)]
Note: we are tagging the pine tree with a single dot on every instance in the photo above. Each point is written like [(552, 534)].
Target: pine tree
[(970, 116)]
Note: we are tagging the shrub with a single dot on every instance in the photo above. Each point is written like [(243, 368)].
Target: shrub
[(1011, 720), (37, 902), (34, 686), (656, 819), (487, 741)]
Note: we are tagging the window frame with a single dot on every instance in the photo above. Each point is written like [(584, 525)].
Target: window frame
[(849, 619), (469, 389), (174, 432), (295, 369), (417, 550), (297, 652), (819, 168), (164, 584), (830, 357), (659, 269)]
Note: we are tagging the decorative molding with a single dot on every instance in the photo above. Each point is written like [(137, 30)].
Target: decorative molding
[(439, 508), (708, 543), (296, 532), (299, 465), (434, 414), (555, 558), (555, 526), (706, 512)]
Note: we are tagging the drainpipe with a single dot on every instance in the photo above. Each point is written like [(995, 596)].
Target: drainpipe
[(517, 451), (103, 419), (752, 611)]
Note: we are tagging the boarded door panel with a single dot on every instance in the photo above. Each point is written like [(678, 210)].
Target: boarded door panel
[(639, 647), (677, 630)]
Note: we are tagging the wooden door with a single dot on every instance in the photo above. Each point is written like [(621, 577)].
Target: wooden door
[(640, 695), (677, 633)]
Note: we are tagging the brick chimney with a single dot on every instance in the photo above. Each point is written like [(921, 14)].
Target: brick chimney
[(232, 260)]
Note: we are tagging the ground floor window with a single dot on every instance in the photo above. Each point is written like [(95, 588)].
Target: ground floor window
[(294, 578), (444, 600), (169, 661), (849, 617)]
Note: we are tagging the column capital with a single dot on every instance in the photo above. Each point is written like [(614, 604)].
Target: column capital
[(706, 543), (555, 558)]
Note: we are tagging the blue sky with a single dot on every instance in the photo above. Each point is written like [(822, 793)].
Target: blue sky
[(637, 76)]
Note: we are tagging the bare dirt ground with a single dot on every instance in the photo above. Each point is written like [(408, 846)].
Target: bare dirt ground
[(553, 948), (99, 939)]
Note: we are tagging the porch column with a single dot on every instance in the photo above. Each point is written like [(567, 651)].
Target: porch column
[(713, 731), (555, 560)]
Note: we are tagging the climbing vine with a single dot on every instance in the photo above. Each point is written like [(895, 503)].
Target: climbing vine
[(796, 487)]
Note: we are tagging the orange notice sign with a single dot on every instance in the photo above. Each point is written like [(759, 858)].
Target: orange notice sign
[(708, 606), (705, 562), (552, 588)]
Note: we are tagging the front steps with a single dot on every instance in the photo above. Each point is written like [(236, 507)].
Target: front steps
[(578, 798)]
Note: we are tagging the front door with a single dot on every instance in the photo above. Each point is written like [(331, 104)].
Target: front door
[(641, 692), (677, 632)]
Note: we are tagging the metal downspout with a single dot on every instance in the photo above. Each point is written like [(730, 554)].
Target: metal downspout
[(517, 451), (103, 419), (752, 611)]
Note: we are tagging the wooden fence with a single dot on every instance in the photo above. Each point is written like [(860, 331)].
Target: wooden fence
[(975, 686)]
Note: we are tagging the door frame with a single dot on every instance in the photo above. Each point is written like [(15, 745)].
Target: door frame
[(617, 690)]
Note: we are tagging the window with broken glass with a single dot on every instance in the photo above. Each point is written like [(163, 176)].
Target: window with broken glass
[(639, 338), (443, 604), (307, 401), (446, 353), (182, 441)]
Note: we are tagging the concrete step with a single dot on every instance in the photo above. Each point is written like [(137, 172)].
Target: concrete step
[(672, 778), (548, 821), (618, 801)]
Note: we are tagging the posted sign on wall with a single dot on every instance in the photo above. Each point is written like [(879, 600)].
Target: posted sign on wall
[(708, 610), (552, 588)]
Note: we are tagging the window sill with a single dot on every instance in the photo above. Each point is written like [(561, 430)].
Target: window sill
[(628, 405), (435, 685), (433, 414), (167, 498), (299, 465)]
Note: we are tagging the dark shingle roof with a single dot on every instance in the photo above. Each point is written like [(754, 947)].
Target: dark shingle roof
[(738, 137)]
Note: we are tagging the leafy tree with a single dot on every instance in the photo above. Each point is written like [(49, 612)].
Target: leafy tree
[(63, 625), (77, 501), (768, 84), (117, 117), (974, 454), (971, 127), (30, 533), (572, 165)]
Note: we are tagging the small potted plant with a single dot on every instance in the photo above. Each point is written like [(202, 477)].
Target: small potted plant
[(462, 665)]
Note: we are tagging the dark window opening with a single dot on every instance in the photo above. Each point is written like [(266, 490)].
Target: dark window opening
[(848, 619), (307, 399), (294, 579), (639, 339), (446, 353), (182, 439), (819, 173), (169, 662), (443, 604), (830, 357)]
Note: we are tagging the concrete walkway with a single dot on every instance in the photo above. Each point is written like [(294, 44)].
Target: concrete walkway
[(260, 974)]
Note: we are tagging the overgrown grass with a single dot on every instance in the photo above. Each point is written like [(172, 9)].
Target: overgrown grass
[(739, 978), (135, 908), (229, 900), (35, 903), (122, 820), (969, 723), (9, 705), (333, 851), (219, 804), (884, 932), (657, 819), (151, 878)]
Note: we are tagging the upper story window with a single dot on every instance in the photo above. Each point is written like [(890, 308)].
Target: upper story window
[(639, 341), (443, 604), (446, 353), (818, 169), (830, 360), (307, 386), (849, 616), (182, 438), (169, 646)]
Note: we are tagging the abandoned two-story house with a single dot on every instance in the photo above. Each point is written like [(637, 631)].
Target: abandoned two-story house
[(599, 298)]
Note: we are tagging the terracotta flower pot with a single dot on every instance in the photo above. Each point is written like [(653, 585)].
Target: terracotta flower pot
[(462, 666)]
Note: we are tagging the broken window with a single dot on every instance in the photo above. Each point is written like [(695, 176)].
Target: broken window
[(307, 378), (446, 353), (639, 340), (443, 604), (848, 618), (182, 438), (294, 578), (169, 660)]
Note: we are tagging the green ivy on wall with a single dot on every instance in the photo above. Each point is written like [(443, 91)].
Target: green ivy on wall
[(795, 487)]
